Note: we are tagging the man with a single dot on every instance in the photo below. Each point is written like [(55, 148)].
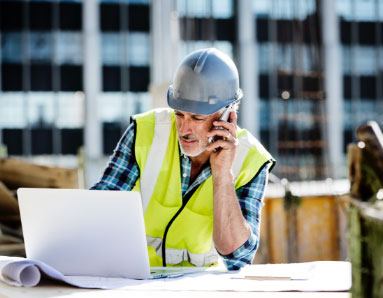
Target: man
[(202, 180)]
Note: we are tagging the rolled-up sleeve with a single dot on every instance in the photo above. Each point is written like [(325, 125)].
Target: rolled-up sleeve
[(250, 197)]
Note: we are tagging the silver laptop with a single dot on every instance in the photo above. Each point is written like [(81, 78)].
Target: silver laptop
[(85, 232)]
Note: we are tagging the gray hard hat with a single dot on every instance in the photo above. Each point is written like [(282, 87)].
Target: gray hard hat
[(205, 81)]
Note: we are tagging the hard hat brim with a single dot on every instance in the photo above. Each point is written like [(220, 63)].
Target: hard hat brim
[(196, 107)]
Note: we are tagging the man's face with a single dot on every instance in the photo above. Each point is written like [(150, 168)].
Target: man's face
[(192, 130)]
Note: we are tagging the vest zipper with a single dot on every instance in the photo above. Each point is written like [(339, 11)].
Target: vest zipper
[(185, 200)]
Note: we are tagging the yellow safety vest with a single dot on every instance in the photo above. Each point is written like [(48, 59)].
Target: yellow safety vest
[(179, 230)]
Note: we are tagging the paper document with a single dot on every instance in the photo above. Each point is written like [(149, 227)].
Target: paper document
[(278, 272), (18, 271), (312, 276)]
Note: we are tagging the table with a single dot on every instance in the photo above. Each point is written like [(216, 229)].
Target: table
[(50, 289), (326, 277)]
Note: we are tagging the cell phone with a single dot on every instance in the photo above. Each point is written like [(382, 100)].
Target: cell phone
[(225, 117)]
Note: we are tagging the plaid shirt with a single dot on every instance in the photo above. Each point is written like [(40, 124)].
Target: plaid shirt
[(122, 173)]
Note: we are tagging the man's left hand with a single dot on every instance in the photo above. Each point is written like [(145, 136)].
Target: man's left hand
[(224, 149)]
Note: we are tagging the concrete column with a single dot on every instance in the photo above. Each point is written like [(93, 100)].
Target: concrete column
[(165, 43), (248, 67), (92, 79), (333, 86)]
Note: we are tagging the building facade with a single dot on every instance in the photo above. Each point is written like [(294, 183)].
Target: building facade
[(73, 72)]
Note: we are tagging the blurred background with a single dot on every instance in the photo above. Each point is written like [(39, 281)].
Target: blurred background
[(73, 72)]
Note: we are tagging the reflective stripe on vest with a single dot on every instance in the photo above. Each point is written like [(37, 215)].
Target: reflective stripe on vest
[(176, 256), (156, 154)]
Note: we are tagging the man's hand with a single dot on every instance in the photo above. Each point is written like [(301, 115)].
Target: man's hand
[(224, 149)]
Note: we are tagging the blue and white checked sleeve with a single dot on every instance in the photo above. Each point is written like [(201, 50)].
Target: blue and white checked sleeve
[(122, 171), (250, 197)]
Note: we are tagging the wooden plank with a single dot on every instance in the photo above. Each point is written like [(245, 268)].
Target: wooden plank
[(17, 173), (6, 249), (277, 237), (317, 229), (8, 203), (262, 255)]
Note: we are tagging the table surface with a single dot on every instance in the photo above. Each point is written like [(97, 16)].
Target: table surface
[(323, 275), (53, 289)]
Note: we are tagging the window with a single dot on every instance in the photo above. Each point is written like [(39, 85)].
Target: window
[(222, 9), (41, 77), (71, 78), (264, 115), (13, 81), (12, 15), (365, 10), (138, 49), (365, 60), (40, 46), (40, 15), (70, 16), (12, 110), (41, 109), (262, 7), (119, 106), (111, 49), (69, 48), (71, 109), (12, 47)]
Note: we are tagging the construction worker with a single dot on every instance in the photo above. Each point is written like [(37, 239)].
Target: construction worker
[(202, 179)]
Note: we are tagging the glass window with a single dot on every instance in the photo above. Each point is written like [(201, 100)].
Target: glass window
[(347, 115), (309, 54), (367, 110), (305, 8), (110, 48), (346, 57), (41, 108), (70, 110), (118, 106), (69, 48), (222, 9), (12, 105), (12, 47), (262, 7), (264, 57), (344, 9), (138, 45), (40, 46), (365, 10), (380, 49), (305, 115), (110, 107), (284, 9), (264, 115), (284, 56), (365, 60), (195, 8), (145, 2)]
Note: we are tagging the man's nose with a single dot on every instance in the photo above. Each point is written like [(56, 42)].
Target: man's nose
[(185, 127)]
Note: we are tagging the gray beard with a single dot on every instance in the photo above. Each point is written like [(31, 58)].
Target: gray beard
[(188, 154)]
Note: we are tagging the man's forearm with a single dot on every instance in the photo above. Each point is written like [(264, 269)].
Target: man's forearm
[(231, 229)]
